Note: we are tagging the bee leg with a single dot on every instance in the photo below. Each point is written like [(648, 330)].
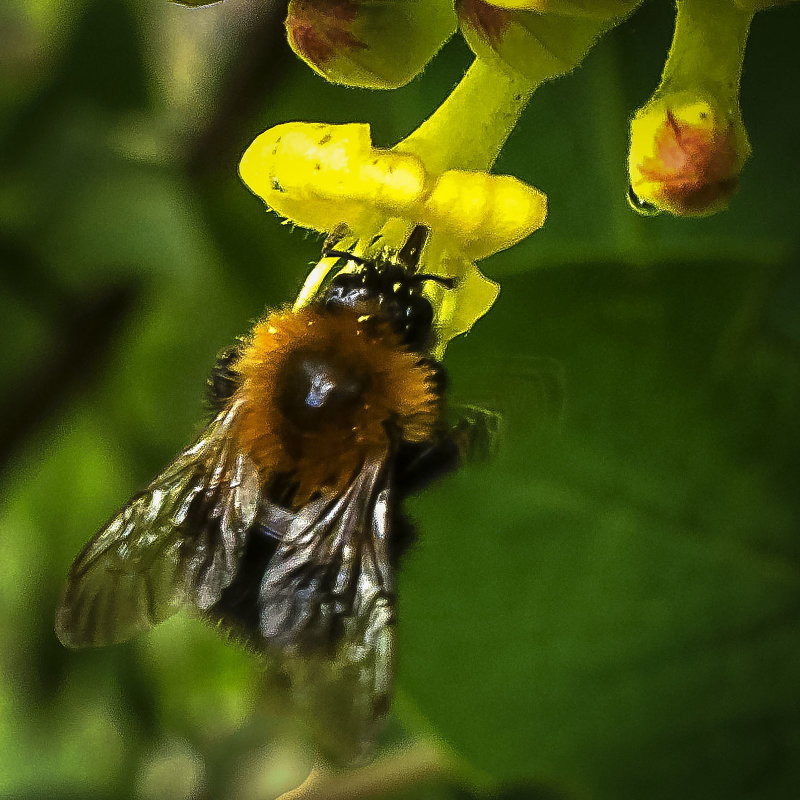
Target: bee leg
[(473, 438), (418, 465), (223, 380), (404, 534), (334, 237), (477, 434)]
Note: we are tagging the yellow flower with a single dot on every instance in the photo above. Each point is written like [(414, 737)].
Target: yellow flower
[(319, 176)]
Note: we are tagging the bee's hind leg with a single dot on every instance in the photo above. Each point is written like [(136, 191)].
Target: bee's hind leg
[(224, 380)]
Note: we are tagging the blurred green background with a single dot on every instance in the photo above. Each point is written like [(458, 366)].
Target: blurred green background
[(609, 610)]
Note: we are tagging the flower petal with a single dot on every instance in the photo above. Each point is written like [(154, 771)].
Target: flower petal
[(318, 176), (484, 213), (458, 309)]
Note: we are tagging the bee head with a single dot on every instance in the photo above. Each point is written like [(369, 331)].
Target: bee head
[(389, 288)]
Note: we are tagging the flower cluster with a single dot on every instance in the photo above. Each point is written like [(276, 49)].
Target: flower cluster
[(385, 44), (319, 176), (687, 144)]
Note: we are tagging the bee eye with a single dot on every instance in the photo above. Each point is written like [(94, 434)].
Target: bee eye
[(418, 321), (315, 391), (419, 311)]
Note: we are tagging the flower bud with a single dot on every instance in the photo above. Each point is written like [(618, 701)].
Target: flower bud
[(686, 155), (598, 9), (688, 143), (542, 43), (373, 45)]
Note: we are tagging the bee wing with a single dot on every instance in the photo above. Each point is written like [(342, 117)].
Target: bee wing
[(327, 611), (175, 542)]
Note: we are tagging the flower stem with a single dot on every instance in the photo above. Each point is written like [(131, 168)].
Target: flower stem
[(470, 128), (708, 44)]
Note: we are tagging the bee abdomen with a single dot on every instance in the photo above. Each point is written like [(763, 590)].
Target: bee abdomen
[(238, 607)]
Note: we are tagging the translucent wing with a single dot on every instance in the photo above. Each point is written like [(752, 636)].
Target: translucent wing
[(175, 542), (326, 610)]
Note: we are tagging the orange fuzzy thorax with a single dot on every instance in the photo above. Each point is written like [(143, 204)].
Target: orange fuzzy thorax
[(399, 394)]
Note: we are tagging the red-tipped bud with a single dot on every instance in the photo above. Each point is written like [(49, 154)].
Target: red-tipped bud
[(375, 45), (685, 157)]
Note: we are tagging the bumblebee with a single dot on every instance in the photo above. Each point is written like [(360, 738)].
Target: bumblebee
[(282, 521)]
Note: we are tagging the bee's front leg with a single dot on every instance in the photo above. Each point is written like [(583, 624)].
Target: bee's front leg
[(224, 380), (475, 437), (477, 433)]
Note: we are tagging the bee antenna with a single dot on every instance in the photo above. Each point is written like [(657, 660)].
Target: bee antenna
[(442, 280), (411, 251), (344, 254), (329, 249)]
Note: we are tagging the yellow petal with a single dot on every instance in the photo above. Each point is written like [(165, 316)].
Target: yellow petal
[(318, 176), (460, 308), (484, 213)]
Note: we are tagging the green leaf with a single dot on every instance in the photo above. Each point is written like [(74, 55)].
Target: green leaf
[(615, 610), (104, 64)]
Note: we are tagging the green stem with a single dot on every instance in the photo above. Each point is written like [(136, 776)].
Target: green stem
[(470, 128), (708, 45)]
